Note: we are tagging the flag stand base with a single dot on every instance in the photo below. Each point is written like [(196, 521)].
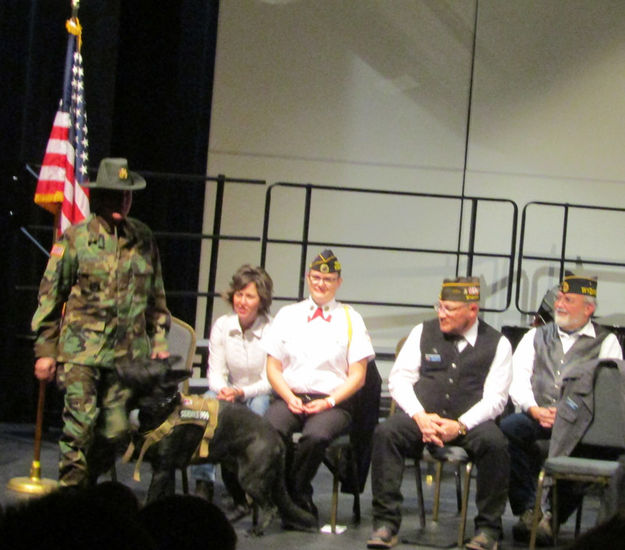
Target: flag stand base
[(33, 485)]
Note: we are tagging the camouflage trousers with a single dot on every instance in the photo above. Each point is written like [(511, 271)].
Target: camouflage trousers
[(95, 422)]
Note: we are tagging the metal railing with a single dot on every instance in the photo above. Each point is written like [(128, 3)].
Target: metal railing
[(564, 257), (469, 253), (216, 237)]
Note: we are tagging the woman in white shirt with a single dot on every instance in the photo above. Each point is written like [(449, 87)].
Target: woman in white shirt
[(236, 361)]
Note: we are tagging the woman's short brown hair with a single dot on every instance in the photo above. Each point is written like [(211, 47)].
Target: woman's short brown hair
[(247, 274)]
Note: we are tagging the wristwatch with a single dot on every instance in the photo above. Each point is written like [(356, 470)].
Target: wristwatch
[(331, 401), (462, 429)]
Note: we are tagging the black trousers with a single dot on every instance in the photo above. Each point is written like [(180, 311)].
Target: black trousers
[(399, 437), (318, 431)]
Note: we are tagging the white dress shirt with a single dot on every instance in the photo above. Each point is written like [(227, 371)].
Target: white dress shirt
[(236, 358), (405, 374), (523, 360), (315, 355)]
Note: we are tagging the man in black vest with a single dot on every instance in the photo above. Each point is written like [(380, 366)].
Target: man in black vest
[(540, 360), (451, 381)]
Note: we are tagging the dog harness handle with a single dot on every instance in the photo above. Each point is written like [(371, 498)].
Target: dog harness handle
[(199, 411)]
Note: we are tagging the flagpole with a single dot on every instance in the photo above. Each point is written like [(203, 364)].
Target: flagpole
[(35, 484)]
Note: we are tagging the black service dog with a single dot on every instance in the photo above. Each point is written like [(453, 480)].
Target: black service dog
[(243, 442)]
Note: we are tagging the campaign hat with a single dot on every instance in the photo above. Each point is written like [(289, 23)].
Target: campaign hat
[(113, 173)]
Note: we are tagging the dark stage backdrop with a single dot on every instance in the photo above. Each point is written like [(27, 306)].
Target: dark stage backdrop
[(148, 81)]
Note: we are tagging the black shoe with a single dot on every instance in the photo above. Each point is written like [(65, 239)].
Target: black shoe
[(522, 529), (205, 489), (307, 504)]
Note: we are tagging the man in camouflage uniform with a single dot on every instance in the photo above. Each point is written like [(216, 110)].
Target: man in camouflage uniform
[(101, 300)]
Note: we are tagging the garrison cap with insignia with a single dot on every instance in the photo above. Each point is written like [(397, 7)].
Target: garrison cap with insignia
[(579, 284), (461, 289), (326, 262), (113, 173)]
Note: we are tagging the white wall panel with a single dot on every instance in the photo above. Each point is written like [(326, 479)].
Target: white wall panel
[(375, 94)]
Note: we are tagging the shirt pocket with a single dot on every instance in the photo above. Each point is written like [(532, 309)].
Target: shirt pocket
[(82, 334), (141, 283), (93, 279)]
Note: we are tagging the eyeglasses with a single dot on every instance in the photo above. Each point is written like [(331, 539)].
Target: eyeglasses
[(446, 310), (566, 298), (317, 279)]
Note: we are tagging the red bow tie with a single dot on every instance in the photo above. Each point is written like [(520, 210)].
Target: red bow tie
[(319, 313)]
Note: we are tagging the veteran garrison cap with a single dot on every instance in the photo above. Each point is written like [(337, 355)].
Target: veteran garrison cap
[(326, 262), (461, 289), (579, 284), (113, 173)]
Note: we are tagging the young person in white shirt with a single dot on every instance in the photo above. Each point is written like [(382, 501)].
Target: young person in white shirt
[(318, 351)]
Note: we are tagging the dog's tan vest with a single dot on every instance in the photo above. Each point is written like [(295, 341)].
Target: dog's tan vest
[(193, 409)]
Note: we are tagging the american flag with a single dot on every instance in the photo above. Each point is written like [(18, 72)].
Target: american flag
[(65, 164)]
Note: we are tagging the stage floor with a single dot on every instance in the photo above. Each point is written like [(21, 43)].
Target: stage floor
[(16, 455)]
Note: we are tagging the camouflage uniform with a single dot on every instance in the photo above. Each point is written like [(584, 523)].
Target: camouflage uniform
[(110, 280)]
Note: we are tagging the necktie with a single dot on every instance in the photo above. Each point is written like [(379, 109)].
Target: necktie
[(319, 313), (455, 340)]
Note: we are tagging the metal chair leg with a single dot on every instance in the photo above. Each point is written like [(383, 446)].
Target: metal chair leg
[(555, 522), (356, 484), (537, 509), (458, 476), (465, 503), (437, 490), (335, 494), (578, 519), (344, 450), (417, 465)]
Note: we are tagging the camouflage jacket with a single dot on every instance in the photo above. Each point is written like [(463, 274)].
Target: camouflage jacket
[(112, 284)]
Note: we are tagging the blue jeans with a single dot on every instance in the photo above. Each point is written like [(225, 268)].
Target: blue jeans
[(526, 458), (258, 404)]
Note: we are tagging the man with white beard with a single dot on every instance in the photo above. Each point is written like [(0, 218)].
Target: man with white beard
[(540, 361)]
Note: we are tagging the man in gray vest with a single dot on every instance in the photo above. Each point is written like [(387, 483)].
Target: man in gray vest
[(451, 381), (540, 361)]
